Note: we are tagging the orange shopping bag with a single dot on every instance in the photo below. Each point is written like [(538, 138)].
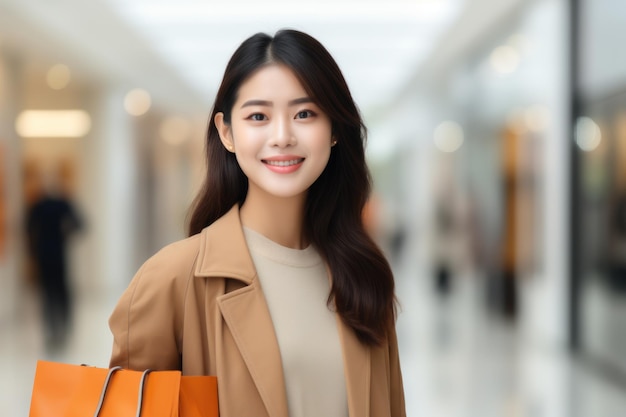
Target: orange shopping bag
[(63, 390)]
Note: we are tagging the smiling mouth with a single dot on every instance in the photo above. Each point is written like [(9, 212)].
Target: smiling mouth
[(284, 163)]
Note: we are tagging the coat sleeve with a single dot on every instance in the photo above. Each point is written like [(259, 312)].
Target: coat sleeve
[(398, 408), (146, 322)]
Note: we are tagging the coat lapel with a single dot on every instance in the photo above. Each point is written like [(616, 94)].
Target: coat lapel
[(247, 316), (224, 253)]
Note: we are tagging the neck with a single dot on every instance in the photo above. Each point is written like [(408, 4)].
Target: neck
[(278, 219)]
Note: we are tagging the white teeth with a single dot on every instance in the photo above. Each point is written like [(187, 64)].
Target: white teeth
[(284, 163)]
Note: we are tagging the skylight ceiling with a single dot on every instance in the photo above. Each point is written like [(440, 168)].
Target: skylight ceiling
[(378, 44)]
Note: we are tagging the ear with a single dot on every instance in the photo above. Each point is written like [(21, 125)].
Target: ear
[(224, 131)]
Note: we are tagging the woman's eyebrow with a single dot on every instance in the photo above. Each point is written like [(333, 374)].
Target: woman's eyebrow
[(267, 103), (257, 103), (300, 100)]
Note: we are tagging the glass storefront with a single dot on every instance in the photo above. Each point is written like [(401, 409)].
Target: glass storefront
[(601, 188)]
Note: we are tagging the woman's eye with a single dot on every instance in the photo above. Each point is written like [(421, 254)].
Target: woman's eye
[(257, 117), (304, 114)]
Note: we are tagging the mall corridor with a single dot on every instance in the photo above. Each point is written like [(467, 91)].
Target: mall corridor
[(497, 150)]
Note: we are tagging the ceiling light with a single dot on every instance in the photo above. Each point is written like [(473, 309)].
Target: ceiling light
[(137, 102), (448, 136), (53, 123), (588, 134), (504, 59)]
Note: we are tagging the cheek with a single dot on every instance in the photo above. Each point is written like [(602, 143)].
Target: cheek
[(246, 139), (322, 150), (323, 141)]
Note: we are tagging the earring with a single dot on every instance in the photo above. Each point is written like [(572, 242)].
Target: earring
[(333, 143)]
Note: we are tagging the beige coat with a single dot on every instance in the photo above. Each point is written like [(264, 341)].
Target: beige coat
[(197, 306)]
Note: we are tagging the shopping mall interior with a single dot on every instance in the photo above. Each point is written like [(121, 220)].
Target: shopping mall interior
[(495, 131)]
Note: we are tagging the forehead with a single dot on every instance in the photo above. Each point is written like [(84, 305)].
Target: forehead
[(273, 81)]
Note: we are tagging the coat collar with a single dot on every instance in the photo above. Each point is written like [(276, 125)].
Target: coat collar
[(223, 250), (224, 253)]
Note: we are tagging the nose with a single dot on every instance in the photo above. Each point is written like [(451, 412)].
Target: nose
[(282, 134)]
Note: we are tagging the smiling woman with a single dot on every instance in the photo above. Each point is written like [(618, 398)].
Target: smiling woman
[(279, 290)]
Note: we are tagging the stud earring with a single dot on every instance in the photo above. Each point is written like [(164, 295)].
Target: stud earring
[(333, 143)]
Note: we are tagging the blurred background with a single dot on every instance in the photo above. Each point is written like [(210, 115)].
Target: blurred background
[(497, 143)]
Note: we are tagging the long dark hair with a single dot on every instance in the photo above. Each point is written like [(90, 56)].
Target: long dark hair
[(362, 282)]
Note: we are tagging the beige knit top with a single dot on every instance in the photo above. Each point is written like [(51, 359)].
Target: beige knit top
[(295, 284)]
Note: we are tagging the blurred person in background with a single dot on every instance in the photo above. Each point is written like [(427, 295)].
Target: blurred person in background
[(51, 219), (279, 291), (447, 229), (445, 239)]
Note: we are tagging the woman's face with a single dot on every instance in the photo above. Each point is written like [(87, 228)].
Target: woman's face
[(282, 140)]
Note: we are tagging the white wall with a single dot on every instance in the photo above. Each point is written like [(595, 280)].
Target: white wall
[(545, 297), (107, 194), (11, 177)]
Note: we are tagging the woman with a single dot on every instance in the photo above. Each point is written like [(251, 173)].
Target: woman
[(278, 291)]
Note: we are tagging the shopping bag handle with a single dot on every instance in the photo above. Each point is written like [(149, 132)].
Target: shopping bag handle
[(144, 375)]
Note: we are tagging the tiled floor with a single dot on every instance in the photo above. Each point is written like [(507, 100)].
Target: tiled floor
[(457, 362)]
